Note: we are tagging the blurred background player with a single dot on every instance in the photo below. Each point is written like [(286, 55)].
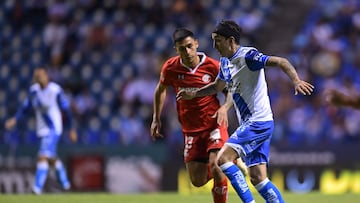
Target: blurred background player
[(242, 70), (338, 98), (204, 122), (47, 99)]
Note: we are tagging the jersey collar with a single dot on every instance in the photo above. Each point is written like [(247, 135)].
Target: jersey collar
[(202, 60)]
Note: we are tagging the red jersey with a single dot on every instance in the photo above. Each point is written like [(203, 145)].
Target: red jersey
[(194, 115)]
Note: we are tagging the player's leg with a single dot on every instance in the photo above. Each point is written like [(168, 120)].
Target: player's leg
[(196, 161), (198, 172), (220, 188), (42, 166), (225, 160), (201, 165), (258, 174), (60, 173), (57, 163), (216, 140), (242, 166)]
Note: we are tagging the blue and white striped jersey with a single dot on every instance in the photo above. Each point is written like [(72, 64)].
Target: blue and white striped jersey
[(47, 104), (245, 79)]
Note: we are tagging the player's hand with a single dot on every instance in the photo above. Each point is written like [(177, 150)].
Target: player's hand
[(155, 129), (333, 96), (10, 123), (303, 88), (186, 95), (73, 135), (221, 116)]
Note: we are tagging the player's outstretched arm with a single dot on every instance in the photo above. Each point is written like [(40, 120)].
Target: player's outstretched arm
[(338, 98), (301, 86), (210, 89), (25, 108)]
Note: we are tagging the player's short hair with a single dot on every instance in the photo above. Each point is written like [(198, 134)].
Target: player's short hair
[(181, 33), (229, 28)]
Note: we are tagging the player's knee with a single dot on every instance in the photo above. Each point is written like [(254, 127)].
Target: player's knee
[(52, 162), (198, 181), (256, 178), (42, 159), (222, 159)]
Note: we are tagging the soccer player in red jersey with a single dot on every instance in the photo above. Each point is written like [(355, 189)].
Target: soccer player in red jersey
[(203, 121)]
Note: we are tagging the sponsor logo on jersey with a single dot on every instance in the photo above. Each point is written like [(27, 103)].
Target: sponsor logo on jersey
[(233, 87), (188, 89)]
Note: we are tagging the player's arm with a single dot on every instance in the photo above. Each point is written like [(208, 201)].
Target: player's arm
[(159, 100), (222, 113), (338, 98), (301, 86), (210, 89), (24, 109), (64, 104)]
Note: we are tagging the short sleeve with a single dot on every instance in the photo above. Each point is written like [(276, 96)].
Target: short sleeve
[(255, 60)]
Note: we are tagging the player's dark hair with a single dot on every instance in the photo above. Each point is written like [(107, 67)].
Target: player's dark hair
[(229, 28), (180, 34)]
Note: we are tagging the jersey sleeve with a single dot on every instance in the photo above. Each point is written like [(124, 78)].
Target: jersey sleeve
[(64, 105), (221, 75), (164, 75), (26, 106), (255, 60), (224, 72)]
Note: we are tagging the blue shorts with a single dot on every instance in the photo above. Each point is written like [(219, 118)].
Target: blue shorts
[(48, 145), (252, 141)]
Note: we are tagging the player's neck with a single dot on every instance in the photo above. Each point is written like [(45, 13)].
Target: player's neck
[(194, 62), (44, 85)]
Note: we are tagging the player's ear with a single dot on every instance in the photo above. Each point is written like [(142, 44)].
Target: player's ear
[(232, 39)]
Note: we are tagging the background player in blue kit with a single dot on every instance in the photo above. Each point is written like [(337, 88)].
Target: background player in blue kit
[(47, 99), (242, 70)]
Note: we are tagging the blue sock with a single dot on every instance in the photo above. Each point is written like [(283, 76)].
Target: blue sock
[(42, 169), (61, 173), (269, 192), (238, 181)]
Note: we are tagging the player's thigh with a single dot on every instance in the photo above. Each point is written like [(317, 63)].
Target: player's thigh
[(226, 154), (213, 156), (48, 146), (198, 172)]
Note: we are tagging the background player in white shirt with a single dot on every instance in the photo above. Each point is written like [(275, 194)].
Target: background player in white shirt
[(47, 99), (242, 70)]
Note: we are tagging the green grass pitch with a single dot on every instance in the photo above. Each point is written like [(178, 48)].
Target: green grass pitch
[(166, 198)]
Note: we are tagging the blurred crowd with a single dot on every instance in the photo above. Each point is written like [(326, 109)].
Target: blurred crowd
[(107, 55), (326, 51)]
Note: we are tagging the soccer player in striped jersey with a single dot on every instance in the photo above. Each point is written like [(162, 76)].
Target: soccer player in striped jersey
[(242, 71), (203, 121), (47, 99)]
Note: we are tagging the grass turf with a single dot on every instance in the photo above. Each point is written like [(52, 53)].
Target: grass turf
[(166, 198)]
